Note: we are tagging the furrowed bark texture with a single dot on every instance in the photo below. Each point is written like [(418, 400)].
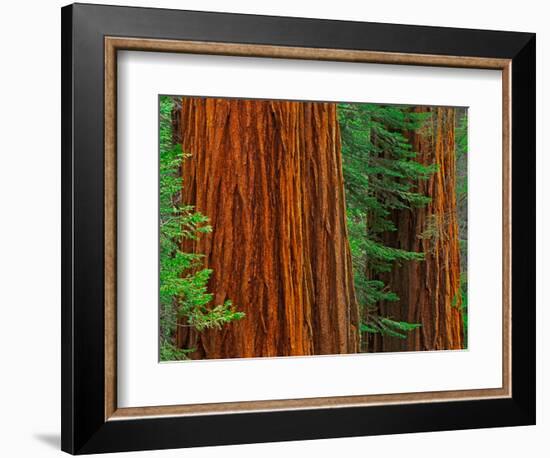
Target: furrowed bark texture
[(268, 175), (429, 290)]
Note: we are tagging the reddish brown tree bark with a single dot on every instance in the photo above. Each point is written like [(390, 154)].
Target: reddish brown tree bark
[(268, 175), (429, 290)]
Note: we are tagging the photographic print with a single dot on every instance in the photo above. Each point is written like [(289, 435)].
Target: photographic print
[(298, 228)]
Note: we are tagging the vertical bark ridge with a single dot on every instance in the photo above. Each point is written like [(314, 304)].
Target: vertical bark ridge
[(268, 175)]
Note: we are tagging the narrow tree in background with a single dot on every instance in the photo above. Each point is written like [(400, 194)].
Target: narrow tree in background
[(461, 141), (381, 172), (268, 175), (428, 290)]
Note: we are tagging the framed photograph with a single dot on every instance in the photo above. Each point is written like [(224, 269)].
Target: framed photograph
[(281, 228)]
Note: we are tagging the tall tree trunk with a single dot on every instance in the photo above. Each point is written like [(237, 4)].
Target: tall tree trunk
[(268, 175), (429, 290)]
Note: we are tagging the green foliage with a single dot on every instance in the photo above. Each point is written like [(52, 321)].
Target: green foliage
[(388, 327), (169, 352), (372, 255), (464, 304), (461, 141), (183, 280), (380, 169)]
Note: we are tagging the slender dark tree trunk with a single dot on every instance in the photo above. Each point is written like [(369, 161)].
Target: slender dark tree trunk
[(429, 290), (268, 175)]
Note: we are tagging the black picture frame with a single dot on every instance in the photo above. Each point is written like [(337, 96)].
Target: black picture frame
[(84, 428)]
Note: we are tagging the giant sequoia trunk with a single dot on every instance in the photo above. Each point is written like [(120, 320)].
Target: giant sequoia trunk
[(429, 290), (268, 175)]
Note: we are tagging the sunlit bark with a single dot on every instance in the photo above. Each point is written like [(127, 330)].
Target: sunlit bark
[(268, 175)]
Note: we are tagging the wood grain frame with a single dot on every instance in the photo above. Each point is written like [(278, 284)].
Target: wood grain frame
[(114, 44), (91, 36)]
